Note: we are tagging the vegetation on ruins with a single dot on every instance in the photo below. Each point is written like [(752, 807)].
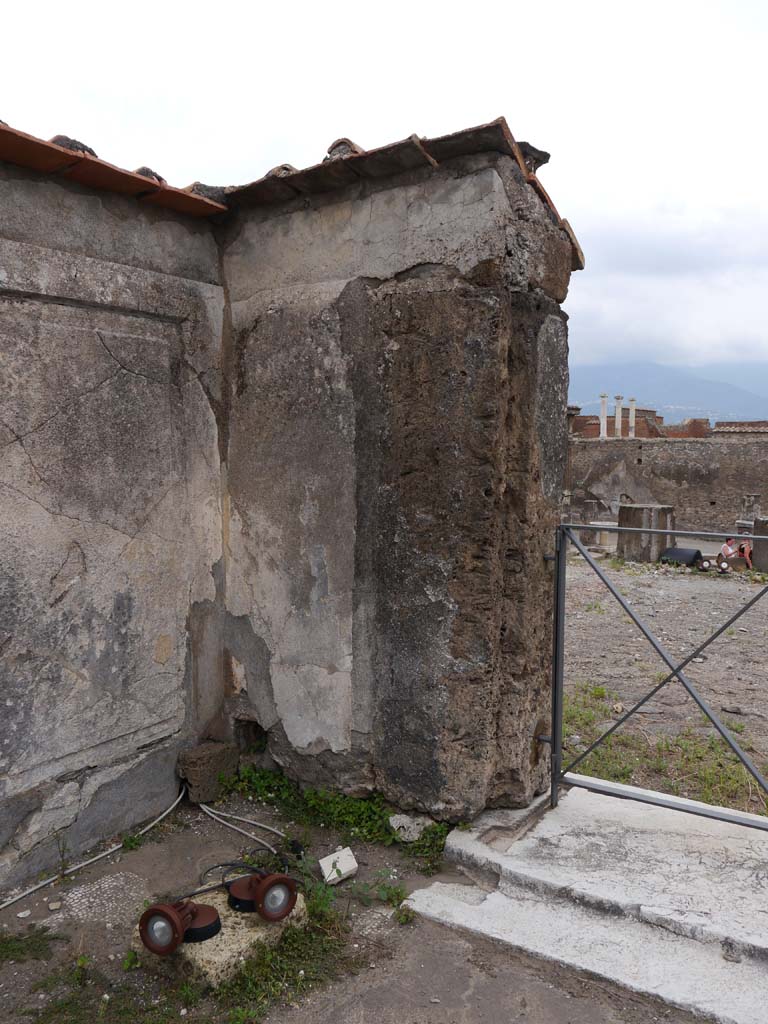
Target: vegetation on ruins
[(303, 960), (362, 819), (692, 763)]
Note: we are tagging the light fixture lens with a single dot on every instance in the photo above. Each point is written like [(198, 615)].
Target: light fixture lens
[(160, 930), (276, 898)]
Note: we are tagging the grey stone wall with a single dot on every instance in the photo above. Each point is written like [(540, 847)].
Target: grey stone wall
[(704, 479), (396, 451), (109, 500), (297, 472)]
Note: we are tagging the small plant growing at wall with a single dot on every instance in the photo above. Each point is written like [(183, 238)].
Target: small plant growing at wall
[(404, 914), (131, 961), (365, 820), (62, 848), (381, 889), (80, 972)]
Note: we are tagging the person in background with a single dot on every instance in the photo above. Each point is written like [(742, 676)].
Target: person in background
[(745, 550), (727, 553)]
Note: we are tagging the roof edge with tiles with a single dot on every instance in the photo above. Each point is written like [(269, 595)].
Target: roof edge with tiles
[(741, 427), (50, 158), (283, 184)]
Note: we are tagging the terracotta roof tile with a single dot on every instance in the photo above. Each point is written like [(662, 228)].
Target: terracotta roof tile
[(747, 427), (348, 164), (409, 154), (49, 158)]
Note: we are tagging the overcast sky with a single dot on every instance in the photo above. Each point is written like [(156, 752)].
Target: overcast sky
[(654, 113)]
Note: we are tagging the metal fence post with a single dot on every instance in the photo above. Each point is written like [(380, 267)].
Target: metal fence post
[(558, 652)]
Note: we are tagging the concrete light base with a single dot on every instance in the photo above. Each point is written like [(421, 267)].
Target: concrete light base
[(218, 960)]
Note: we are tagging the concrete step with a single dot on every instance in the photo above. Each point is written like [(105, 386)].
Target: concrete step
[(648, 959), (699, 878)]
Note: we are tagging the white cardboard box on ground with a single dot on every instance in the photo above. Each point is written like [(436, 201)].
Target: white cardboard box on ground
[(338, 866)]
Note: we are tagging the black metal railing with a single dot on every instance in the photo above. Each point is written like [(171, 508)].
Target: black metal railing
[(568, 533)]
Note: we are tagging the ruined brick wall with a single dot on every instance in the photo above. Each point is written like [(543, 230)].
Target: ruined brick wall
[(397, 445), (703, 479), (110, 323)]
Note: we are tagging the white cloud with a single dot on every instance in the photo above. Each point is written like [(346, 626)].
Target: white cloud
[(653, 112)]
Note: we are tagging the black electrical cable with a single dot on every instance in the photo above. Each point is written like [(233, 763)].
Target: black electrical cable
[(297, 852), (224, 864), (208, 888)]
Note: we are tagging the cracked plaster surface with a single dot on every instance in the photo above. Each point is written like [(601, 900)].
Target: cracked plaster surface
[(109, 490)]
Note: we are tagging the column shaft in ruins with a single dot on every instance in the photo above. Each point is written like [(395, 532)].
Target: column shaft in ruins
[(603, 415), (619, 415)]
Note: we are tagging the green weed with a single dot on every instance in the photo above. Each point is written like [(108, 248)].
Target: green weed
[(381, 890), (428, 849), (80, 971), (35, 945), (362, 819), (357, 819), (404, 914), (691, 764), (304, 959), (189, 994), (131, 961)]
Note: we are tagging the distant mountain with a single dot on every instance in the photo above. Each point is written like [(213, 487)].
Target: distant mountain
[(676, 393), (752, 376)]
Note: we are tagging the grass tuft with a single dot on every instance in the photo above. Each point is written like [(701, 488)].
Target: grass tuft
[(363, 819), (35, 945), (696, 765), (357, 819)]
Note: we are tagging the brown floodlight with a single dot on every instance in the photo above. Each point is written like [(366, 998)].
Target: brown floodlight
[(271, 896), (164, 926)]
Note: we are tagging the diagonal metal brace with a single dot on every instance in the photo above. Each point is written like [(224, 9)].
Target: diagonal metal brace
[(676, 671), (643, 700)]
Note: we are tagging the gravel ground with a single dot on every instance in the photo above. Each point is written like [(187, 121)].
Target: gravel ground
[(682, 608)]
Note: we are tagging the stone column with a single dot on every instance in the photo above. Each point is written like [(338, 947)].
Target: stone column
[(760, 547), (750, 506), (603, 415), (632, 412), (619, 412), (645, 547)]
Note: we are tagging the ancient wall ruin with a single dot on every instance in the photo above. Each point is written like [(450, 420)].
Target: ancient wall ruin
[(295, 467), (110, 322), (703, 479)]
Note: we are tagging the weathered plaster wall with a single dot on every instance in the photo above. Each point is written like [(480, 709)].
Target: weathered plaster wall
[(703, 479), (110, 325), (300, 472), (396, 450)]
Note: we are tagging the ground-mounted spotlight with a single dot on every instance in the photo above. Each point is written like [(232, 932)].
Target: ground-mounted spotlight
[(271, 896), (164, 926)]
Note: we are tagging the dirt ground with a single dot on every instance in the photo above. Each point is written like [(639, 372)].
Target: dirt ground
[(418, 973), (604, 648)]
